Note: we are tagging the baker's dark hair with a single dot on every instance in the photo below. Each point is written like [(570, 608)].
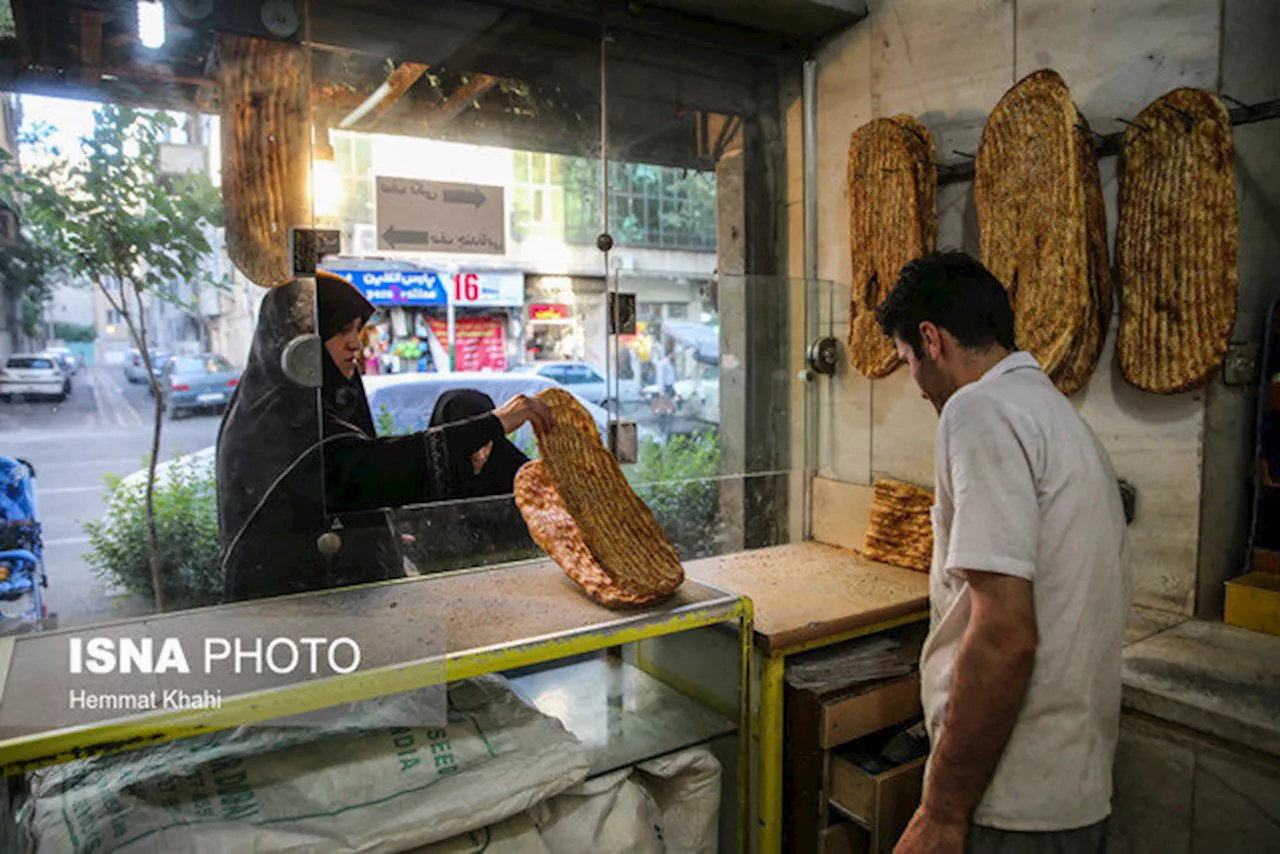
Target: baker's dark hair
[(953, 291)]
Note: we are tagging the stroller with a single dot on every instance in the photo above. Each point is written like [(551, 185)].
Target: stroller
[(21, 553)]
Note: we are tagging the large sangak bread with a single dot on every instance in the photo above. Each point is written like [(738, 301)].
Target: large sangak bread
[(1076, 369), (266, 140), (582, 512), (1177, 243), (900, 531), (893, 193), (1033, 217)]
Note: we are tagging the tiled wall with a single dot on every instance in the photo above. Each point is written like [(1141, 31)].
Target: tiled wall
[(949, 62)]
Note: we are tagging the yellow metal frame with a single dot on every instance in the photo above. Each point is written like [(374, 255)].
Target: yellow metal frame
[(771, 723), (25, 753)]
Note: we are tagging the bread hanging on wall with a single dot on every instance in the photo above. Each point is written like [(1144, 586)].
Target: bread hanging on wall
[(1043, 226), (266, 142), (1087, 348), (585, 516), (893, 219), (1177, 243)]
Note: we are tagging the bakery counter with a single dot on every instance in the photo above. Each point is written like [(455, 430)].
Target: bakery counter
[(807, 596)]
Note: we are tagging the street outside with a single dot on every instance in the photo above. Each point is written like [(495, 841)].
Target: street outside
[(103, 428)]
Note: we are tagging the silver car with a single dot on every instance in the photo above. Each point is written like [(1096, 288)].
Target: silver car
[(34, 375)]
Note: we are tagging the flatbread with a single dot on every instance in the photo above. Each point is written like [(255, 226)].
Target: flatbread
[(556, 533), (1087, 349), (893, 220), (1031, 205), (616, 527), (263, 91), (1177, 243), (900, 531)]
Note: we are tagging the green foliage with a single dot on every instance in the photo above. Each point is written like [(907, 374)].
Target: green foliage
[(74, 333), (29, 268), (107, 217), (384, 422), (680, 483), (186, 514)]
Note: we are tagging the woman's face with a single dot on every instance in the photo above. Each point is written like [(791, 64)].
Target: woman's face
[(344, 348), (480, 457)]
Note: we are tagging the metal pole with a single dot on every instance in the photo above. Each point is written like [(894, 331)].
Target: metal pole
[(809, 108), (812, 291), (610, 278), (453, 352)]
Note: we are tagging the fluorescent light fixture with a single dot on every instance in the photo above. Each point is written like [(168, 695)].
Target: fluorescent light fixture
[(326, 189), (151, 23)]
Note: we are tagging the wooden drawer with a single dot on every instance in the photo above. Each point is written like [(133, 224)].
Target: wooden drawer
[(884, 802), (843, 838), (851, 716)]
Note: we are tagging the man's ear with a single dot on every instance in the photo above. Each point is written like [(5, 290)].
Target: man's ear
[(931, 340)]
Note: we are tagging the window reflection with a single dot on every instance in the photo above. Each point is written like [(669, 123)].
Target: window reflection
[(499, 289)]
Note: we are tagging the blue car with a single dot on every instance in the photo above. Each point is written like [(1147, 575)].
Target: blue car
[(193, 384)]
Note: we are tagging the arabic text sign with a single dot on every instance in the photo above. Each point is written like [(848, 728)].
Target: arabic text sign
[(479, 343), (398, 287), (439, 216)]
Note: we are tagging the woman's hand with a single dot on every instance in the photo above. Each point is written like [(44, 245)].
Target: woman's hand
[(522, 408)]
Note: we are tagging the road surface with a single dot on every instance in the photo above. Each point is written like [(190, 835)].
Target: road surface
[(103, 428)]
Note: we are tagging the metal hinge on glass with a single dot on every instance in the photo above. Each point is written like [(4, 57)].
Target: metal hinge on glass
[(307, 246), (622, 314), (301, 358), (624, 441)]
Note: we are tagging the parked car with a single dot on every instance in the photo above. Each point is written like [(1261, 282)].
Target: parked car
[(68, 361), (135, 370), (580, 378), (409, 399), (33, 375), (196, 383)]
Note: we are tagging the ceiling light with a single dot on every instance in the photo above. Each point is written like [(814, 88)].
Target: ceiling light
[(151, 23)]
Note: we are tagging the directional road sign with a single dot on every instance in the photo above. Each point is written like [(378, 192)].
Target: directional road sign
[(439, 216)]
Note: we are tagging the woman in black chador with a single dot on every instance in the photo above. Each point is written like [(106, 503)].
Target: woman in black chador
[(290, 462)]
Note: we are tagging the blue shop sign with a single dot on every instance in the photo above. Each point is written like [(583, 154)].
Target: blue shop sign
[(398, 287)]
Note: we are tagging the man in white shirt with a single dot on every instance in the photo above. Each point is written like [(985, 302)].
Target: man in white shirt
[(1030, 585)]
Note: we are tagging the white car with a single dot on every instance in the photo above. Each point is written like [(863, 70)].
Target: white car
[(582, 379), (33, 375), (410, 399)]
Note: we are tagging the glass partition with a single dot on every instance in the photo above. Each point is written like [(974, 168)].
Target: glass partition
[(490, 179)]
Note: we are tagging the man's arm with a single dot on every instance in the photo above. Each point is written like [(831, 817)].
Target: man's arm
[(992, 670), (989, 680)]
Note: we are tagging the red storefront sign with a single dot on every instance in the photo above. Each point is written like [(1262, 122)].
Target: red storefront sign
[(480, 343), (548, 311)]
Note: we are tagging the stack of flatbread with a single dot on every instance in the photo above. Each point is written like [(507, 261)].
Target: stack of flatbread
[(1043, 226), (901, 528), (893, 219), (1177, 243), (582, 512)]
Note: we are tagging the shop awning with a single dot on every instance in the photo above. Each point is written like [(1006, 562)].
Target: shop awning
[(704, 340)]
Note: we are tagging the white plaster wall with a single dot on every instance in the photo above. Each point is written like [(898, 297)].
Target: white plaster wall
[(948, 62)]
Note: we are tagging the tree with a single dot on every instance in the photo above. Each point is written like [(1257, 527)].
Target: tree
[(107, 217)]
